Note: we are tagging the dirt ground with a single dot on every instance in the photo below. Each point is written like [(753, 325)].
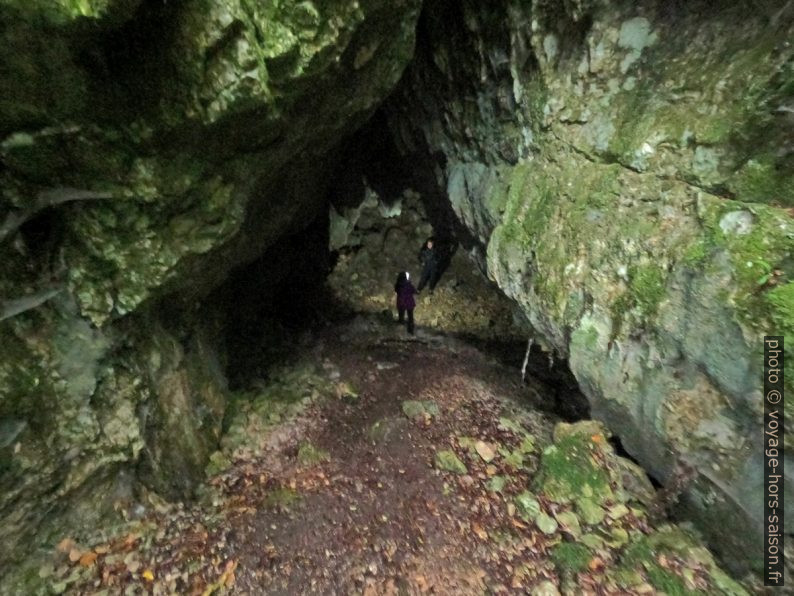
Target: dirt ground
[(368, 512), (399, 475), (377, 516)]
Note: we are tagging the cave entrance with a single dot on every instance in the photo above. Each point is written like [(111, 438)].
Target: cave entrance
[(342, 265)]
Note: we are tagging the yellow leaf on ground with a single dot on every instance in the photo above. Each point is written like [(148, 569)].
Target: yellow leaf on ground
[(148, 575), (88, 559)]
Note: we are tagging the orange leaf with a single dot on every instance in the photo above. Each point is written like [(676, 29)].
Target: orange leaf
[(88, 559), (227, 577), (130, 539), (598, 438), (421, 583), (595, 564), (477, 529)]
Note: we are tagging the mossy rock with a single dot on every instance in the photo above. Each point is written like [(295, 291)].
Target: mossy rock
[(568, 471), (591, 512), (383, 430), (496, 484), (643, 555), (448, 461), (420, 410), (546, 523), (218, 463), (513, 458), (527, 505), (571, 557), (570, 522)]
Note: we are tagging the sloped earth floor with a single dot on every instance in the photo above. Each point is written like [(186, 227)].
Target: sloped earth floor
[(346, 496)]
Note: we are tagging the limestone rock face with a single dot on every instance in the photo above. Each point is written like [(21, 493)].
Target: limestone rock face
[(629, 169), (376, 240), (148, 148)]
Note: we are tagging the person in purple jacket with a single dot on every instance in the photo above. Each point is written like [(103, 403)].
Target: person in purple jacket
[(405, 299)]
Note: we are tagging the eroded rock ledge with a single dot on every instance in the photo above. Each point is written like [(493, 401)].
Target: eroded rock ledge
[(628, 170), (149, 149)]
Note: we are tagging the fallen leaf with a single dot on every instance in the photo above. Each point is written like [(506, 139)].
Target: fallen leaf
[(477, 529), (227, 578), (74, 555), (596, 564), (148, 575), (66, 545), (130, 539), (88, 559)]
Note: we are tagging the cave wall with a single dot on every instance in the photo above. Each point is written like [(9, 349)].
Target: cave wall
[(627, 166), (149, 149)]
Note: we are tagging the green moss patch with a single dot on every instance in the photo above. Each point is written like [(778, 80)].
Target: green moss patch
[(762, 181), (448, 461), (755, 255), (309, 455), (281, 498), (569, 470), (656, 554), (420, 410), (571, 557)]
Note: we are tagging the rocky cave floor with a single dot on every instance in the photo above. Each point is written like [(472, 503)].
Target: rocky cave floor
[(373, 462)]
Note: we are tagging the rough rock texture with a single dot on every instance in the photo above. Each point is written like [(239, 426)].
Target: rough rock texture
[(377, 240), (628, 168), (147, 149)]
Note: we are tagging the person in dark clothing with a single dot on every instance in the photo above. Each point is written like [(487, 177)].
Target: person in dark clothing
[(428, 256), (405, 299)]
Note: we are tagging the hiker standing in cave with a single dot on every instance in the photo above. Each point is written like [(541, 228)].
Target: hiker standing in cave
[(405, 299), (428, 256)]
